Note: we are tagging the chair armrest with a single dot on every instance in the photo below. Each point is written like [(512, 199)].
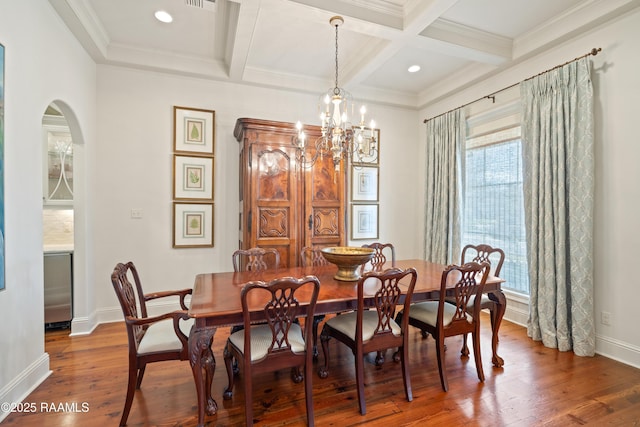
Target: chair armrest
[(144, 321), (175, 315), (182, 293)]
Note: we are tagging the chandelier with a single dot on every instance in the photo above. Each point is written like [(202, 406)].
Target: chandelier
[(340, 137)]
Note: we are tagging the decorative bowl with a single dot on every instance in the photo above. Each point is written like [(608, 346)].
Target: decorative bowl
[(348, 259)]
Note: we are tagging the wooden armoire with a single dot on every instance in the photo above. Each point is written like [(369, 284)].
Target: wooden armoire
[(283, 204)]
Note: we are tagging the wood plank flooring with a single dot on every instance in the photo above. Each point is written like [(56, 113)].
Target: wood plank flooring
[(536, 387)]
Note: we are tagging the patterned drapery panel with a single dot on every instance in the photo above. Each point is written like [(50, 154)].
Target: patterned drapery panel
[(445, 139), (557, 135)]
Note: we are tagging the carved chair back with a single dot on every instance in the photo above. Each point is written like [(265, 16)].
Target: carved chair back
[(256, 259), (484, 253), (382, 250), (312, 257)]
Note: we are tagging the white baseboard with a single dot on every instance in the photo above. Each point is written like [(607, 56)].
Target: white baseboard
[(22, 385), (618, 350), (518, 313), (83, 325)]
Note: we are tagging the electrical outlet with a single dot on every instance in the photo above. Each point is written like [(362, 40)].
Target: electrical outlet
[(136, 213), (605, 318)]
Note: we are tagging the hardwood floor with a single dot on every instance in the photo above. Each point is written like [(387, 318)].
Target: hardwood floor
[(537, 386)]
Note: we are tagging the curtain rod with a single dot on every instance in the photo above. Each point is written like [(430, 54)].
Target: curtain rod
[(492, 96)]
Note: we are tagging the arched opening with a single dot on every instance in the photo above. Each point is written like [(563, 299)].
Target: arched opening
[(64, 294)]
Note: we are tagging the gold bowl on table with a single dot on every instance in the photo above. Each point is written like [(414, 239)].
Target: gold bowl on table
[(348, 259)]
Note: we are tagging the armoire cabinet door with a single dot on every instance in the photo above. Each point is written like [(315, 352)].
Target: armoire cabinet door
[(324, 207), (275, 189)]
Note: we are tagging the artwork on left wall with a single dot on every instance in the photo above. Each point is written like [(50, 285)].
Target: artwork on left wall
[(193, 177), (2, 282)]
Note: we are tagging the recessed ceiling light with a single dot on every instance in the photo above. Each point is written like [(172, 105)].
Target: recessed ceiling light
[(163, 16), (413, 68)]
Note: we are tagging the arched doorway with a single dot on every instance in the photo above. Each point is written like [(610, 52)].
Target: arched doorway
[(64, 294)]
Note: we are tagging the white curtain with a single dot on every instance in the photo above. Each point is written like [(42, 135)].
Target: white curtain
[(557, 135), (445, 140)]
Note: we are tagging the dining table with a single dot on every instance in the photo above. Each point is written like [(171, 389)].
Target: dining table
[(215, 302)]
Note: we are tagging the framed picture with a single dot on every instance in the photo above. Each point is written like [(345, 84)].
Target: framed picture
[(369, 150), (193, 130), (364, 183), (364, 222), (192, 177), (192, 225)]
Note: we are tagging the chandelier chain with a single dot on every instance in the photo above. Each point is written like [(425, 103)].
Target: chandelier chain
[(336, 91)]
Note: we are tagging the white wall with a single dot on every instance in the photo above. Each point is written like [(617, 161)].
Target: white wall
[(43, 63), (617, 193), (133, 169)]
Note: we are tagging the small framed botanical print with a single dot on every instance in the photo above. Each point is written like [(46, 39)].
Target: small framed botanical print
[(193, 130), (192, 225), (364, 183), (364, 222), (192, 177)]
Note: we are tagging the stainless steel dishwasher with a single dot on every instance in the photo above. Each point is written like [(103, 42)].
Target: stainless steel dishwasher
[(58, 289)]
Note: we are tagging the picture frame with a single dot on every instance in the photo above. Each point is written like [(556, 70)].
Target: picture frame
[(192, 225), (364, 183), (371, 153), (193, 130), (193, 177), (364, 222)]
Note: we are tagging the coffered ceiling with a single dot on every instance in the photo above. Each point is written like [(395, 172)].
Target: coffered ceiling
[(289, 44)]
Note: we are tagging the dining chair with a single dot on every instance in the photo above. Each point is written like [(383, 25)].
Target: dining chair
[(255, 259), (311, 256), (495, 257), (448, 316), (365, 331), (380, 256), (151, 339), (280, 342), (383, 252)]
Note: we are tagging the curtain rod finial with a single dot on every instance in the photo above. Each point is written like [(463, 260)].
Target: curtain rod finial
[(595, 51)]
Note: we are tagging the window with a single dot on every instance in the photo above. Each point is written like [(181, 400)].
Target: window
[(493, 211)]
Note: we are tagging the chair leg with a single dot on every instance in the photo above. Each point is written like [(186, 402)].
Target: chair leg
[(316, 324), (234, 329), (404, 357), (465, 349), (131, 388), (308, 391), (248, 397), (296, 375), (323, 371), (140, 375), (228, 362), (440, 350), (360, 382), (475, 336)]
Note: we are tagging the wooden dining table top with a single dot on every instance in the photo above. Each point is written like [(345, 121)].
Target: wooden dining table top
[(216, 296)]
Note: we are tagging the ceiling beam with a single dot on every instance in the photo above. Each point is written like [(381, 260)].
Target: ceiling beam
[(241, 19)]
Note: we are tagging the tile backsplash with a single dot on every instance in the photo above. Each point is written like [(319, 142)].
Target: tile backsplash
[(58, 226)]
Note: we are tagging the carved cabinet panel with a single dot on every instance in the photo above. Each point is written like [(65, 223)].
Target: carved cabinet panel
[(282, 204)]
